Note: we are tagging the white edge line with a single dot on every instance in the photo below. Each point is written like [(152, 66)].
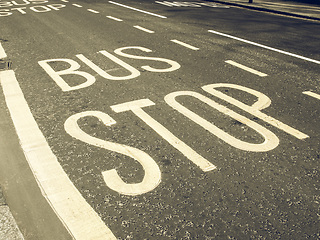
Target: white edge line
[(77, 5), (266, 47), (91, 10), (184, 44), (114, 18), (312, 94), (143, 29), (75, 213), (261, 74), (2, 52), (138, 10)]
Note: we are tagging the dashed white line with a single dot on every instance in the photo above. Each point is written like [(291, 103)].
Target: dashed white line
[(184, 44), (266, 47), (77, 5), (91, 10), (312, 94), (246, 68), (114, 18), (64, 1), (138, 10), (144, 29)]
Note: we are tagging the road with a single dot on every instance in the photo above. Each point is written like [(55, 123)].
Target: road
[(153, 120)]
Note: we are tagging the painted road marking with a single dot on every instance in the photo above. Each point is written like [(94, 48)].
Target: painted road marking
[(184, 44), (190, 4), (246, 68), (255, 109), (75, 213), (266, 47), (136, 108), (312, 94), (138, 10), (64, 1), (271, 141), (144, 29), (2, 52), (114, 18), (152, 173), (77, 5), (91, 10)]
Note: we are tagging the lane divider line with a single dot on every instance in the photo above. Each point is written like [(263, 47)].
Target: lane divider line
[(138, 10), (64, 1), (76, 5), (91, 10), (266, 47), (261, 74), (143, 29), (184, 44), (75, 213), (114, 18), (312, 94)]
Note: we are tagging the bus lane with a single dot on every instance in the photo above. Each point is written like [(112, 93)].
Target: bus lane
[(156, 153)]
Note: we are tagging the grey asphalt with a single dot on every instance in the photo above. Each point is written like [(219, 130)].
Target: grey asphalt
[(297, 8), (8, 226)]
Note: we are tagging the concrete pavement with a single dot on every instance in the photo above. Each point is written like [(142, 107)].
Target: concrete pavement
[(294, 8), (8, 227)]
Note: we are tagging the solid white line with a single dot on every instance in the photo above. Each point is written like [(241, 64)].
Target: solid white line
[(94, 11), (144, 29), (246, 68), (77, 5), (75, 213), (184, 44), (2, 52), (114, 18), (312, 94), (138, 10), (266, 47)]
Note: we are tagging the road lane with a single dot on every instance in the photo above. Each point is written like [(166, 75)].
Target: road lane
[(250, 194)]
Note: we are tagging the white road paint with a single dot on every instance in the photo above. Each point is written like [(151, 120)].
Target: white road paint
[(246, 68), (312, 94), (143, 29), (266, 47), (173, 64), (138, 10), (136, 108), (2, 52), (114, 18), (75, 213), (152, 176), (262, 103), (184, 44), (91, 10), (73, 69), (190, 4), (271, 141), (77, 5), (133, 72), (64, 1)]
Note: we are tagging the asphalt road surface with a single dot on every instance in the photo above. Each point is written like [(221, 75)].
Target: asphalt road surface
[(153, 120)]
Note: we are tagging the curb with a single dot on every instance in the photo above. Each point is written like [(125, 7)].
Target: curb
[(8, 227), (267, 10)]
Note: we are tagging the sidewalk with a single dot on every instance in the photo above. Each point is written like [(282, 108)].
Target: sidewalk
[(294, 8), (8, 227)]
